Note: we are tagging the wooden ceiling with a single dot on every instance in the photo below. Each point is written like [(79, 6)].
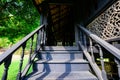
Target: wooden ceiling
[(53, 1)]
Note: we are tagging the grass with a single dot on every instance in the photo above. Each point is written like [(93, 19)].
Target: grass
[(13, 69)]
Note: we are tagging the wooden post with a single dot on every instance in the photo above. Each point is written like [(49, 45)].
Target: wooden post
[(76, 35)]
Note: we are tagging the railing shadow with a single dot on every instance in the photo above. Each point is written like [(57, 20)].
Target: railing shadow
[(46, 67), (68, 67)]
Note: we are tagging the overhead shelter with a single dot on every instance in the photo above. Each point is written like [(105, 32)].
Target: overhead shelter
[(60, 16)]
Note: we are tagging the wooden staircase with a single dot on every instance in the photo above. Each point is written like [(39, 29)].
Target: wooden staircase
[(61, 63)]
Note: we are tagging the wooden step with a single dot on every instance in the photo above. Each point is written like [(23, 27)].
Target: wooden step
[(57, 55), (61, 48), (61, 65), (76, 75)]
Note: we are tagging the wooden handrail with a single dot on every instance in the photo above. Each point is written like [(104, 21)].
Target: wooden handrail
[(113, 39), (18, 45), (86, 34), (113, 50), (6, 57), (93, 65)]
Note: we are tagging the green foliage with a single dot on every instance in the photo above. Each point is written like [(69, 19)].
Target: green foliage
[(17, 19), (4, 42)]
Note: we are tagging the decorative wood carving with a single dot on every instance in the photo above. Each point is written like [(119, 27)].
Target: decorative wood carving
[(107, 25)]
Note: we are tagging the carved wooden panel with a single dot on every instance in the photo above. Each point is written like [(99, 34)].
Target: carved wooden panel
[(107, 25)]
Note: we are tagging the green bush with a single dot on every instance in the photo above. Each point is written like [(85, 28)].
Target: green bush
[(18, 18), (5, 42)]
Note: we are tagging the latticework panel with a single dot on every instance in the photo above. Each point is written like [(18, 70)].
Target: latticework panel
[(107, 25)]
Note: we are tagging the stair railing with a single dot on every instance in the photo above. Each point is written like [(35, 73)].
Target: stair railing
[(86, 38), (104, 75), (6, 57)]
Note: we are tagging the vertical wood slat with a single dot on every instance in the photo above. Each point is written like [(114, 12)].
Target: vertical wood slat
[(84, 39), (7, 63), (21, 61), (37, 43), (31, 48), (91, 50), (44, 35), (27, 67), (41, 37)]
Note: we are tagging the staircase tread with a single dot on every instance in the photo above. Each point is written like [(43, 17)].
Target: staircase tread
[(63, 61), (68, 48), (70, 67), (74, 75), (61, 52)]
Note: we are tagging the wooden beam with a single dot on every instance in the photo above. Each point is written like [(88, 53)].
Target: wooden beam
[(60, 3)]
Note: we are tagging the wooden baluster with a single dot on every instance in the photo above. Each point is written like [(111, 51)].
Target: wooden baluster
[(21, 61), (38, 44), (80, 36), (84, 39), (91, 50), (31, 49), (118, 65), (104, 75), (7, 63), (38, 41), (41, 37), (40, 34), (44, 35)]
